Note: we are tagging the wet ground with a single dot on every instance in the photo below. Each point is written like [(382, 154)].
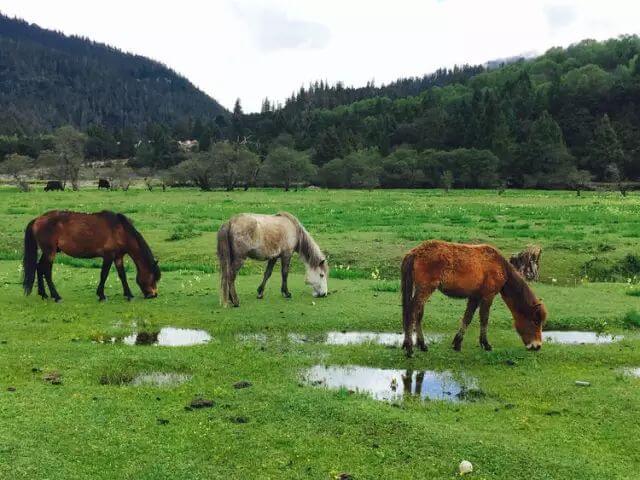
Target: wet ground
[(392, 384), (579, 338), (160, 379), (169, 337)]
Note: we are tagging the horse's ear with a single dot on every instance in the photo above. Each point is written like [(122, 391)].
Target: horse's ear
[(322, 262)]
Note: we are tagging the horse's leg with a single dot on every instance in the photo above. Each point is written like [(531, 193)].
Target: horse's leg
[(485, 306), (40, 270), (421, 298), (285, 261), (236, 265), (267, 273), (104, 273), (472, 305), (48, 268), (123, 278)]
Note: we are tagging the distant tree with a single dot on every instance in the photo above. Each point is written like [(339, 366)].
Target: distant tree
[(286, 167), (446, 180), (612, 174), (69, 149), (15, 165), (401, 169), (122, 176), (233, 164), (237, 130), (605, 149), (196, 170), (578, 180)]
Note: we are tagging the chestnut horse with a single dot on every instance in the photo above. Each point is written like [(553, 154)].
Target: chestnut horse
[(108, 235), (475, 272)]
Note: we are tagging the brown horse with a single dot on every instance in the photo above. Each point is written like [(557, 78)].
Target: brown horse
[(475, 272), (108, 235)]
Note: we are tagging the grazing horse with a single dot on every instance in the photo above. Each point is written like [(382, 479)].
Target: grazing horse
[(53, 185), (267, 237), (475, 272), (105, 234)]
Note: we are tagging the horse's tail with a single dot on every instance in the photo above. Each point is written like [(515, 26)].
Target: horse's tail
[(225, 257), (30, 258), (406, 285)]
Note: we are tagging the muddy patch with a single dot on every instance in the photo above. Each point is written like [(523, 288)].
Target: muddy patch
[(579, 338), (392, 384), (169, 337), (379, 338)]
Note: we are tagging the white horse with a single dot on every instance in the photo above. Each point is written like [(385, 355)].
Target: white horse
[(268, 237)]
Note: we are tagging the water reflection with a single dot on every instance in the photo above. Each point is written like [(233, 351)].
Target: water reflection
[(392, 384)]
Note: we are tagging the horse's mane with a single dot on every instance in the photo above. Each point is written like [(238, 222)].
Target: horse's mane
[(145, 251), (517, 288), (307, 248)]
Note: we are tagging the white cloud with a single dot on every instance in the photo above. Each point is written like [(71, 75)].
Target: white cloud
[(256, 48), (273, 30)]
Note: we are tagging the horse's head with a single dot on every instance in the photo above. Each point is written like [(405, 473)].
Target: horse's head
[(147, 279), (529, 325), (317, 278)]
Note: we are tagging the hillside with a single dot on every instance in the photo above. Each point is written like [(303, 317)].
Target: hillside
[(48, 79), (569, 108)]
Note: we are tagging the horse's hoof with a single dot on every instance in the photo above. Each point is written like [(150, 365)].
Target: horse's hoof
[(457, 343), (102, 299), (58, 300), (236, 305), (487, 346), (260, 295), (286, 294), (423, 347)]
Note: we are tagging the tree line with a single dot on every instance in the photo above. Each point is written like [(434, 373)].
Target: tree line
[(561, 120)]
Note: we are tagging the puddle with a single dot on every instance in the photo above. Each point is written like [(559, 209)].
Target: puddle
[(390, 384), (169, 337), (389, 339), (160, 379), (632, 372), (579, 338)]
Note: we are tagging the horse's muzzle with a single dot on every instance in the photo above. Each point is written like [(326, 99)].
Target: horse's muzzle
[(534, 346), (150, 295)]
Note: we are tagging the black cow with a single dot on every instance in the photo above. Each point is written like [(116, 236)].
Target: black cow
[(53, 185), (104, 183)]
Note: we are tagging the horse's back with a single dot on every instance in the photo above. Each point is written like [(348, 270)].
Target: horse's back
[(80, 234), (262, 236), (458, 269)]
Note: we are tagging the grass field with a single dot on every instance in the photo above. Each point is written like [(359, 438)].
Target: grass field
[(529, 420)]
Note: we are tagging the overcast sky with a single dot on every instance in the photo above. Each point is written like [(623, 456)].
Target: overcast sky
[(252, 49)]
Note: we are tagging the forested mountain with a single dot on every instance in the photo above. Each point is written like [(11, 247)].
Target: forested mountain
[(48, 79), (542, 119), (562, 119)]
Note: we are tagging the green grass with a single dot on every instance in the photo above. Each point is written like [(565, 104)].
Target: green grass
[(531, 423)]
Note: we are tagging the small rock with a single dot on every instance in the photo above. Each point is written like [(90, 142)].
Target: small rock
[(241, 384), (201, 403), (581, 383), (465, 467), (344, 476), (11, 389), (162, 421), (36, 370), (510, 362)]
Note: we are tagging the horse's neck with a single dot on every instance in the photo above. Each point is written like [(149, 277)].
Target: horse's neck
[(307, 248), (517, 294), (135, 252)]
